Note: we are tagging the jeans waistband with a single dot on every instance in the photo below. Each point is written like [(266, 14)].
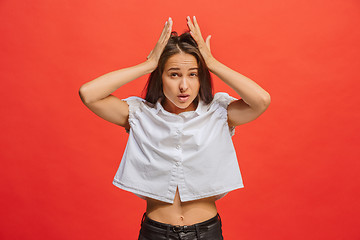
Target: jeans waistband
[(184, 228)]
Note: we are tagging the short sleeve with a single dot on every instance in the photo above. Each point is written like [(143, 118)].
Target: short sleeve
[(134, 106), (224, 99)]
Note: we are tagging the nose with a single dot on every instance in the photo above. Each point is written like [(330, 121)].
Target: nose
[(183, 84)]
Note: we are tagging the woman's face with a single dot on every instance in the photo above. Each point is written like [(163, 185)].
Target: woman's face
[(180, 83)]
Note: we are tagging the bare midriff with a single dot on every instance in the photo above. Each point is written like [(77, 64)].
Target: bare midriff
[(181, 213)]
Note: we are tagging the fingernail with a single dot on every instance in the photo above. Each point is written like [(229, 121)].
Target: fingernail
[(188, 18), (169, 19), (194, 18)]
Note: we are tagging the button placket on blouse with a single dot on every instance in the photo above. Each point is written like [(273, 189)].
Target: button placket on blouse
[(178, 162), (178, 146)]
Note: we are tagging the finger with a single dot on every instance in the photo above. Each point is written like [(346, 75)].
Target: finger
[(190, 24), (168, 30), (195, 29), (170, 27), (196, 23), (208, 41), (165, 30)]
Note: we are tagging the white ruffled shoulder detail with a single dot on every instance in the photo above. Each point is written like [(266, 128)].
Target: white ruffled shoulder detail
[(224, 99), (134, 106)]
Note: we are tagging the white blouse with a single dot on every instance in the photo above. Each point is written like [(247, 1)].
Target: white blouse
[(192, 150)]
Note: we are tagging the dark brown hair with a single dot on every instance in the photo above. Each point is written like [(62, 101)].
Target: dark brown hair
[(176, 44)]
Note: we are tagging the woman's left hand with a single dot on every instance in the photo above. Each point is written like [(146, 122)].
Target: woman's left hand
[(204, 47)]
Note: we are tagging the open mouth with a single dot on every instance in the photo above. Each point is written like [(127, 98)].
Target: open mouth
[(183, 97)]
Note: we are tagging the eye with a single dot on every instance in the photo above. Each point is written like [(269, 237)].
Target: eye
[(193, 74), (173, 74)]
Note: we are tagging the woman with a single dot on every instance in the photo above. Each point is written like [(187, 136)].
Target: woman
[(179, 156)]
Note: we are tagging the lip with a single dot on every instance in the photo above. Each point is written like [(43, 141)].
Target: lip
[(183, 97)]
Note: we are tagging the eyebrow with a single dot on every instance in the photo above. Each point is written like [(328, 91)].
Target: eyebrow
[(179, 69)]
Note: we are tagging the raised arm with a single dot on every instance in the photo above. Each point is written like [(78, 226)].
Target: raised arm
[(96, 94), (255, 99)]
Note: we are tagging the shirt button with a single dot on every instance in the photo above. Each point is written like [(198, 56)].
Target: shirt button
[(177, 164), (178, 131), (178, 147)]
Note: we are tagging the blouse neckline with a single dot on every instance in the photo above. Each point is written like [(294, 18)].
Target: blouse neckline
[(197, 111)]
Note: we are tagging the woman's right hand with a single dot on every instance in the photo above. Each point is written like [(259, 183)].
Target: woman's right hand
[(155, 54)]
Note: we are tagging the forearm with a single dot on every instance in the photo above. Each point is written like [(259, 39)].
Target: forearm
[(249, 91), (104, 85)]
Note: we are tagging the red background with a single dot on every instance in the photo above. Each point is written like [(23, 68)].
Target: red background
[(299, 160)]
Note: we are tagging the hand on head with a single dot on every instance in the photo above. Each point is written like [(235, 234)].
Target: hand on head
[(204, 46), (155, 54)]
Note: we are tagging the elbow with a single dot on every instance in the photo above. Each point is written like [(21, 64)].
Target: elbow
[(264, 102), (266, 99), (82, 94)]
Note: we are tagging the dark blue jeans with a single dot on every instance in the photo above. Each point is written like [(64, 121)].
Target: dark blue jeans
[(206, 230)]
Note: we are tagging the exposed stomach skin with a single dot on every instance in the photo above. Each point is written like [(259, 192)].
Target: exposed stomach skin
[(181, 213)]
